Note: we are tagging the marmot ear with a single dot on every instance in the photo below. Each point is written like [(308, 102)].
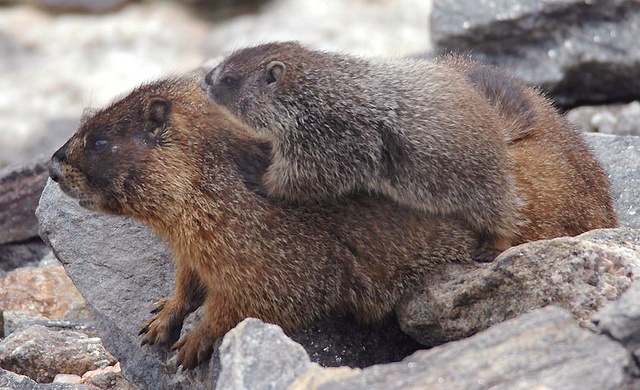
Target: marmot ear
[(275, 71), (156, 114)]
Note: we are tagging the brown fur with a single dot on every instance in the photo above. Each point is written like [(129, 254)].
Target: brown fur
[(168, 157), (566, 191), (411, 130)]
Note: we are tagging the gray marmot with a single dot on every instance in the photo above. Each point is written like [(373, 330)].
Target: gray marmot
[(415, 131)]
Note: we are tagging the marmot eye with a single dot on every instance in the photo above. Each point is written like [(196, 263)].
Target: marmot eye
[(99, 145), (229, 82)]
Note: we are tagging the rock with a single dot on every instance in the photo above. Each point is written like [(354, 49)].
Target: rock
[(580, 274), (46, 291), (40, 353), (621, 320), (20, 189), (67, 378), (22, 254), (106, 378), (543, 349), (614, 119), (14, 320), (615, 153), (579, 51), (255, 355), (10, 380)]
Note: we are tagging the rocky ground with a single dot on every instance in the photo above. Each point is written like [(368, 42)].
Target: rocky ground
[(562, 313)]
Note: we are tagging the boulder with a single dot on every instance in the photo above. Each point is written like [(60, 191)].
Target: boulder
[(581, 52), (581, 274)]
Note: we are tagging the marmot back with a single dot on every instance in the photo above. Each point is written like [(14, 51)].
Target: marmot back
[(188, 168), (414, 131), (565, 189)]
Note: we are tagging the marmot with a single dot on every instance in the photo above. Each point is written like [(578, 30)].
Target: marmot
[(188, 168), (414, 131), (565, 189)]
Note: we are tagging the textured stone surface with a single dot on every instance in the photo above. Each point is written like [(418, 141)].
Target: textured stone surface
[(10, 380), (40, 353), (106, 378), (618, 155), (46, 291), (580, 274), (579, 51), (14, 320), (540, 350), (621, 320), (255, 355), (20, 189)]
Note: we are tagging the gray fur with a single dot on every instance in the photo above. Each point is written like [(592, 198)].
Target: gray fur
[(414, 130)]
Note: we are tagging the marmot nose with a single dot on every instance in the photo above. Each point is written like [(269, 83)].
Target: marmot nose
[(208, 80), (55, 173)]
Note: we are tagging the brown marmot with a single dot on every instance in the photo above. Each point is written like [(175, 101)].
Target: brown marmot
[(565, 189), (414, 131), (168, 157)]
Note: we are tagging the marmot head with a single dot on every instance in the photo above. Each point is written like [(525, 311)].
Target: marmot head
[(261, 83), (131, 158)]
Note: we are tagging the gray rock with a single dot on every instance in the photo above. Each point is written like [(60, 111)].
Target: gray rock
[(40, 353), (22, 254), (579, 51), (621, 320), (543, 349), (580, 274), (20, 189), (617, 154), (255, 355), (10, 380), (15, 320), (614, 119)]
